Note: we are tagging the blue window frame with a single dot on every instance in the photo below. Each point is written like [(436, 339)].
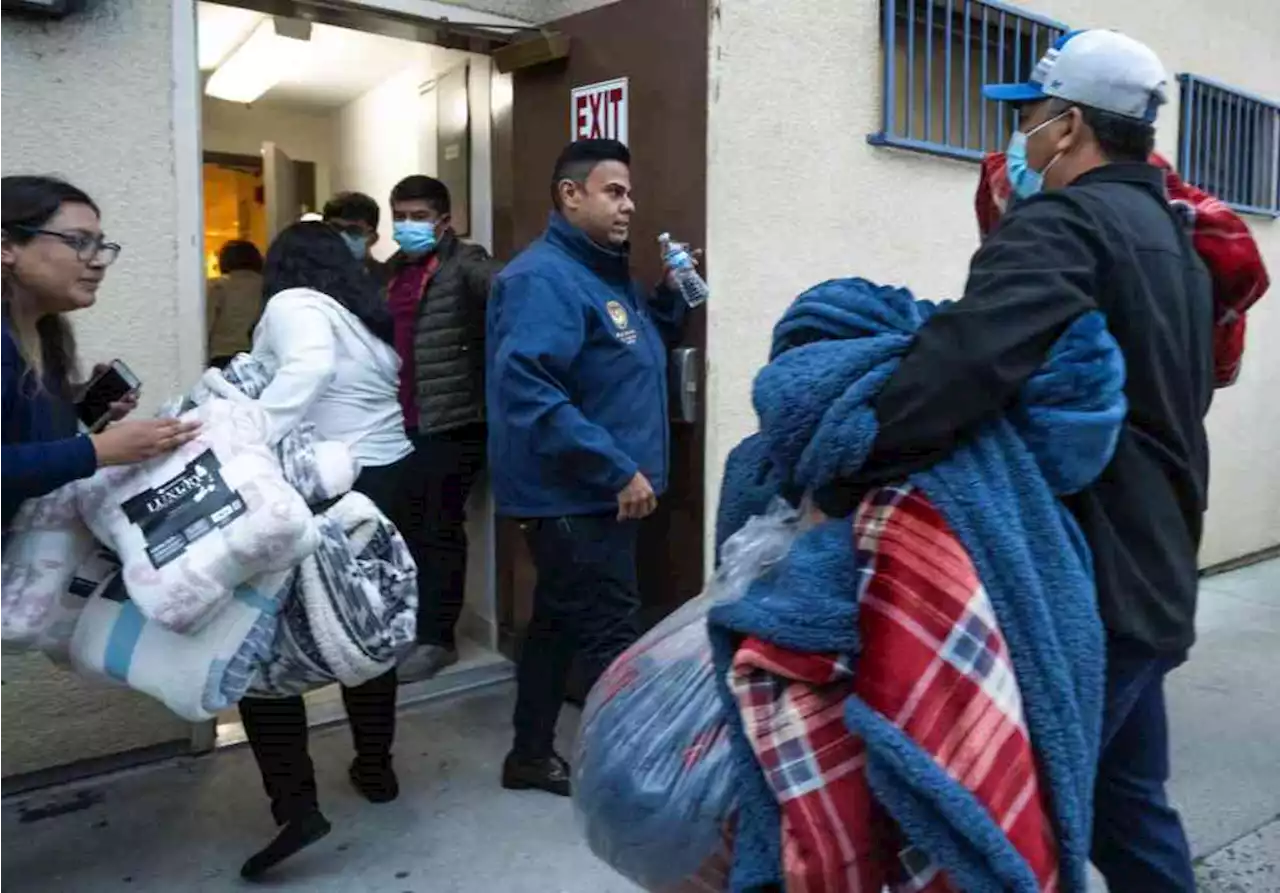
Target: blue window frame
[(1230, 145), (937, 56)]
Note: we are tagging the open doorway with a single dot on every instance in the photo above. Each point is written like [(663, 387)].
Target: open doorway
[(295, 111)]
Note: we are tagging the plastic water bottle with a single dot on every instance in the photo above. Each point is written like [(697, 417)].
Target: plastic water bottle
[(693, 288)]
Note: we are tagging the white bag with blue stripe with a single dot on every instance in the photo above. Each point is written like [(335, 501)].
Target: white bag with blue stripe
[(197, 675)]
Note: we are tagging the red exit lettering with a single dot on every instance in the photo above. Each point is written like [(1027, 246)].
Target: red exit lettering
[(597, 114)]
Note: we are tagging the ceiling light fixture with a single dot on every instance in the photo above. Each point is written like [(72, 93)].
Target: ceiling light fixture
[(274, 48)]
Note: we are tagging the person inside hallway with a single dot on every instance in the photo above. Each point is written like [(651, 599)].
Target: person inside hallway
[(233, 301), (578, 418), (326, 336), (356, 216), (1093, 230), (437, 291)]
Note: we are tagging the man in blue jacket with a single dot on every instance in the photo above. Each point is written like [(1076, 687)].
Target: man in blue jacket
[(577, 400)]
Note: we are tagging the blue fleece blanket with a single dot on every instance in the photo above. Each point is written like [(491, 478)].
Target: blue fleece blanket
[(833, 352)]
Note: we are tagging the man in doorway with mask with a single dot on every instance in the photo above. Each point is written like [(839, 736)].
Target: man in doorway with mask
[(437, 289), (355, 216), (1092, 230), (577, 393)]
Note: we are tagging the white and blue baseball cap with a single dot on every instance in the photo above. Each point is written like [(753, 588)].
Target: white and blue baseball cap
[(1104, 70)]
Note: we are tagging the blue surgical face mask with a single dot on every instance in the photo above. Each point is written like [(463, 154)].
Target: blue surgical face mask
[(357, 244), (415, 236), (1025, 181)]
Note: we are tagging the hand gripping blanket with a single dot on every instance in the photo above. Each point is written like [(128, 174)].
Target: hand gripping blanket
[(320, 470), (42, 548), (833, 351), (192, 527), (354, 607), (197, 675)]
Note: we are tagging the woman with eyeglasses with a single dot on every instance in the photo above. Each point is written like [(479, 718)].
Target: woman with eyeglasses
[(54, 258), (326, 337)]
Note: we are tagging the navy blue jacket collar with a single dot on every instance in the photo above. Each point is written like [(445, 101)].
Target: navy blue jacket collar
[(610, 263)]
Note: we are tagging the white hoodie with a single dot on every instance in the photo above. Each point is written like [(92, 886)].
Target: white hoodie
[(328, 369)]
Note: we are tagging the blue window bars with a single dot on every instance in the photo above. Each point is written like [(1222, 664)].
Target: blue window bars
[(1230, 145), (937, 56)]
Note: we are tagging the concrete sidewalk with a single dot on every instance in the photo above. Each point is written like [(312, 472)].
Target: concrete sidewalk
[(187, 826)]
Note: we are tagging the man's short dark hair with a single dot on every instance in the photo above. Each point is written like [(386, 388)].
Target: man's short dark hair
[(420, 188), (580, 158), (1120, 139), (353, 206)]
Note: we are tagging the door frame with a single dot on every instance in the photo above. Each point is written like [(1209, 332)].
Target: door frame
[(420, 21)]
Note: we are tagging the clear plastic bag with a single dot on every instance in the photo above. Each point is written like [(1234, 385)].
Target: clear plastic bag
[(654, 783)]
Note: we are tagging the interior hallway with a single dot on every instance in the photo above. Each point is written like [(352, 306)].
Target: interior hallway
[(188, 825)]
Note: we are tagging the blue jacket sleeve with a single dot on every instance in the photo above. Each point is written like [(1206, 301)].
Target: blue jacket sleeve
[(34, 469), (538, 336), (28, 470)]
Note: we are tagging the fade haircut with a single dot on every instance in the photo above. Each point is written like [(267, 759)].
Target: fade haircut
[(1121, 139), (580, 158)]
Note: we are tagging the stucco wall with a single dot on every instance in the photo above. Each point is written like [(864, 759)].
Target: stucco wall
[(797, 195), (92, 98)]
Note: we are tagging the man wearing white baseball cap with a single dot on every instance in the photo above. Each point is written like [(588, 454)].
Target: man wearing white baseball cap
[(1092, 230)]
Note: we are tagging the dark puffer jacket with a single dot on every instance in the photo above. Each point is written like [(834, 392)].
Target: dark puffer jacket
[(448, 346)]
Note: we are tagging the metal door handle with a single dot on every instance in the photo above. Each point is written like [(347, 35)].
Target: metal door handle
[(685, 378)]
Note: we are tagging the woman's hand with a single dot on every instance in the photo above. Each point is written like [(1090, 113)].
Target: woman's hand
[(122, 407), (136, 441)]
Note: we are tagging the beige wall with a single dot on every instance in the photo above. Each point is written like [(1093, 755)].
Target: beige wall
[(788, 158), (93, 98)]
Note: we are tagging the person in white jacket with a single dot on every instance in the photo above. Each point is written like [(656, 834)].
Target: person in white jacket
[(325, 337)]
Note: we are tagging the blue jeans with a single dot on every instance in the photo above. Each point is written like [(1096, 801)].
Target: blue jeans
[(1138, 841)]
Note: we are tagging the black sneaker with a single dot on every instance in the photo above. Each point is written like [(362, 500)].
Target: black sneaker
[(295, 835), (376, 781), (550, 774)]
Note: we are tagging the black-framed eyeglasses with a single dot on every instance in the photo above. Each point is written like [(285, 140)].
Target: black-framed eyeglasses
[(89, 247)]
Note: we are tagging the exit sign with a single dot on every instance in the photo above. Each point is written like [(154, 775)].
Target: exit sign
[(599, 111)]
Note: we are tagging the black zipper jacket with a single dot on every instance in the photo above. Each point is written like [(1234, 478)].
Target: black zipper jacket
[(1109, 241)]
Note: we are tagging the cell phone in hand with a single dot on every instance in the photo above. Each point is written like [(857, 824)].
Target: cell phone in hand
[(110, 386)]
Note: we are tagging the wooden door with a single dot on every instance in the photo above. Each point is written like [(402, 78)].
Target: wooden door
[(660, 46)]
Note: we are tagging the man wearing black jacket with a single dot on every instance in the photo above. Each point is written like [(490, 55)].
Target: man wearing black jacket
[(1093, 230), (437, 290)]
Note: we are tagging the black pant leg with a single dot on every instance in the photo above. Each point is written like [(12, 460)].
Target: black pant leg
[(371, 712), (277, 733), (546, 655), (610, 604), (371, 707), (449, 463), (586, 599)]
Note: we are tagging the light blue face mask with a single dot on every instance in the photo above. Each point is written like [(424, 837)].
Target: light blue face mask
[(415, 236), (1025, 181), (357, 244)]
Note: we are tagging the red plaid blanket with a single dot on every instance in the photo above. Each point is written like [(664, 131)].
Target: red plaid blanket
[(1221, 238), (934, 662)]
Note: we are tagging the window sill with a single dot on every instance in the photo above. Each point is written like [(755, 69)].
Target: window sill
[(925, 147)]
